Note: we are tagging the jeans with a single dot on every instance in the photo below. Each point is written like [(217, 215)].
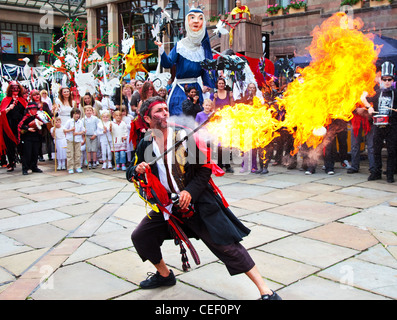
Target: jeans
[(120, 157), (355, 149)]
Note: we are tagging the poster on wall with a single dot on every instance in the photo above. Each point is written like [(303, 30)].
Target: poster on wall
[(7, 42), (24, 45)]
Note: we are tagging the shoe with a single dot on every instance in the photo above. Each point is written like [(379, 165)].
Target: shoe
[(41, 159), (346, 164), (37, 170), (59, 168), (94, 166), (264, 171), (331, 173), (308, 172), (243, 170), (71, 171), (123, 168), (351, 170), (10, 169), (229, 170), (155, 280), (63, 168), (275, 163), (274, 296), (104, 166), (374, 176), (25, 173), (109, 165), (89, 166), (79, 170), (390, 179)]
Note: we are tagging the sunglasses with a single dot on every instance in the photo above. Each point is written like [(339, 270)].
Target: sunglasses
[(387, 80)]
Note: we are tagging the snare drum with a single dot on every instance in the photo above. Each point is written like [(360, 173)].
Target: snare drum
[(381, 120)]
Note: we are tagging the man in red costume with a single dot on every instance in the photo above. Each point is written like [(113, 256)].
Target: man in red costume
[(12, 110)]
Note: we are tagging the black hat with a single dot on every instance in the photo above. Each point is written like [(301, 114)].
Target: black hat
[(387, 69)]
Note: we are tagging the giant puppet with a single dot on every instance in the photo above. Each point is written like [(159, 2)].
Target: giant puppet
[(187, 56)]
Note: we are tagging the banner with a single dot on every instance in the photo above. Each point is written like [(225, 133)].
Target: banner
[(7, 42)]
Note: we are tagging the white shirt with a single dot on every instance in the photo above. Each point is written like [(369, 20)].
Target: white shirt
[(79, 127)]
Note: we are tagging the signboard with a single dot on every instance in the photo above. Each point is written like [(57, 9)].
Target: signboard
[(24, 45), (7, 42)]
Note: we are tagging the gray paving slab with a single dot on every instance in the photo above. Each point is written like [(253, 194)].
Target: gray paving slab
[(313, 252), (315, 237), (378, 279), (82, 281)]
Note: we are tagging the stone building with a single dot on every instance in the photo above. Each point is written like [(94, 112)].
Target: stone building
[(26, 27)]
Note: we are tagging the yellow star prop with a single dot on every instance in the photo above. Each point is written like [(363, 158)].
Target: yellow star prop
[(133, 62)]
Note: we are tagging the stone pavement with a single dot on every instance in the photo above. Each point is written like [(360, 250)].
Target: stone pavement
[(67, 237)]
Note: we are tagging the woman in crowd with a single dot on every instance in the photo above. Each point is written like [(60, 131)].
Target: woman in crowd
[(64, 104)]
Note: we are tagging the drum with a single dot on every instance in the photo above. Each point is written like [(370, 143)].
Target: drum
[(381, 120)]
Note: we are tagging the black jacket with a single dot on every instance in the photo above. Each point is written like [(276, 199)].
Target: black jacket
[(222, 224)]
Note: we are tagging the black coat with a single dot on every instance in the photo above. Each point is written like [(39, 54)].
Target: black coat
[(223, 226)]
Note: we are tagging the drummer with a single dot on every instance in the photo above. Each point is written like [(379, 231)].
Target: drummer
[(382, 106)]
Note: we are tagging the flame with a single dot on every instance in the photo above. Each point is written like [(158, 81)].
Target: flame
[(343, 67)]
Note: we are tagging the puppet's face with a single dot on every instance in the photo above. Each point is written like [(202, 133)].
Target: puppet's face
[(196, 21)]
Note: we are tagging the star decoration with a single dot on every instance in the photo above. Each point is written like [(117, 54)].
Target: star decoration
[(133, 62)]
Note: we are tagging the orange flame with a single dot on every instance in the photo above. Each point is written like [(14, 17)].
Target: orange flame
[(343, 67)]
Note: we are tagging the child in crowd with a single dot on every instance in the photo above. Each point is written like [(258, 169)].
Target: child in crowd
[(119, 143), (127, 118), (74, 131), (59, 136), (30, 137), (105, 138), (208, 106), (91, 127)]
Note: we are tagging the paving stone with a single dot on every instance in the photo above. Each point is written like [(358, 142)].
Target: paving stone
[(82, 209), (314, 188), (233, 191), (31, 219), (280, 221), (314, 211), (5, 213), (280, 270), (49, 195), (10, 246), (45, 188), (379, 217), (387, 238), (18, 263), (5, 276), (117, 240), (276, 183), (367, 193), (253, 204), (91, 225), (180, 291), (260, 235), (46, 205), (316, 288), (379, 255), (33, 236), (91, 188), (82, 281), (365, 275), (312, 252), (86, 251), (71, 223), (342, 235), (213, 278), (281, 197), (17, 201)]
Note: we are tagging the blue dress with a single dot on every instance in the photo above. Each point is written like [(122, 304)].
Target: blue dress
[(187, 72)]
